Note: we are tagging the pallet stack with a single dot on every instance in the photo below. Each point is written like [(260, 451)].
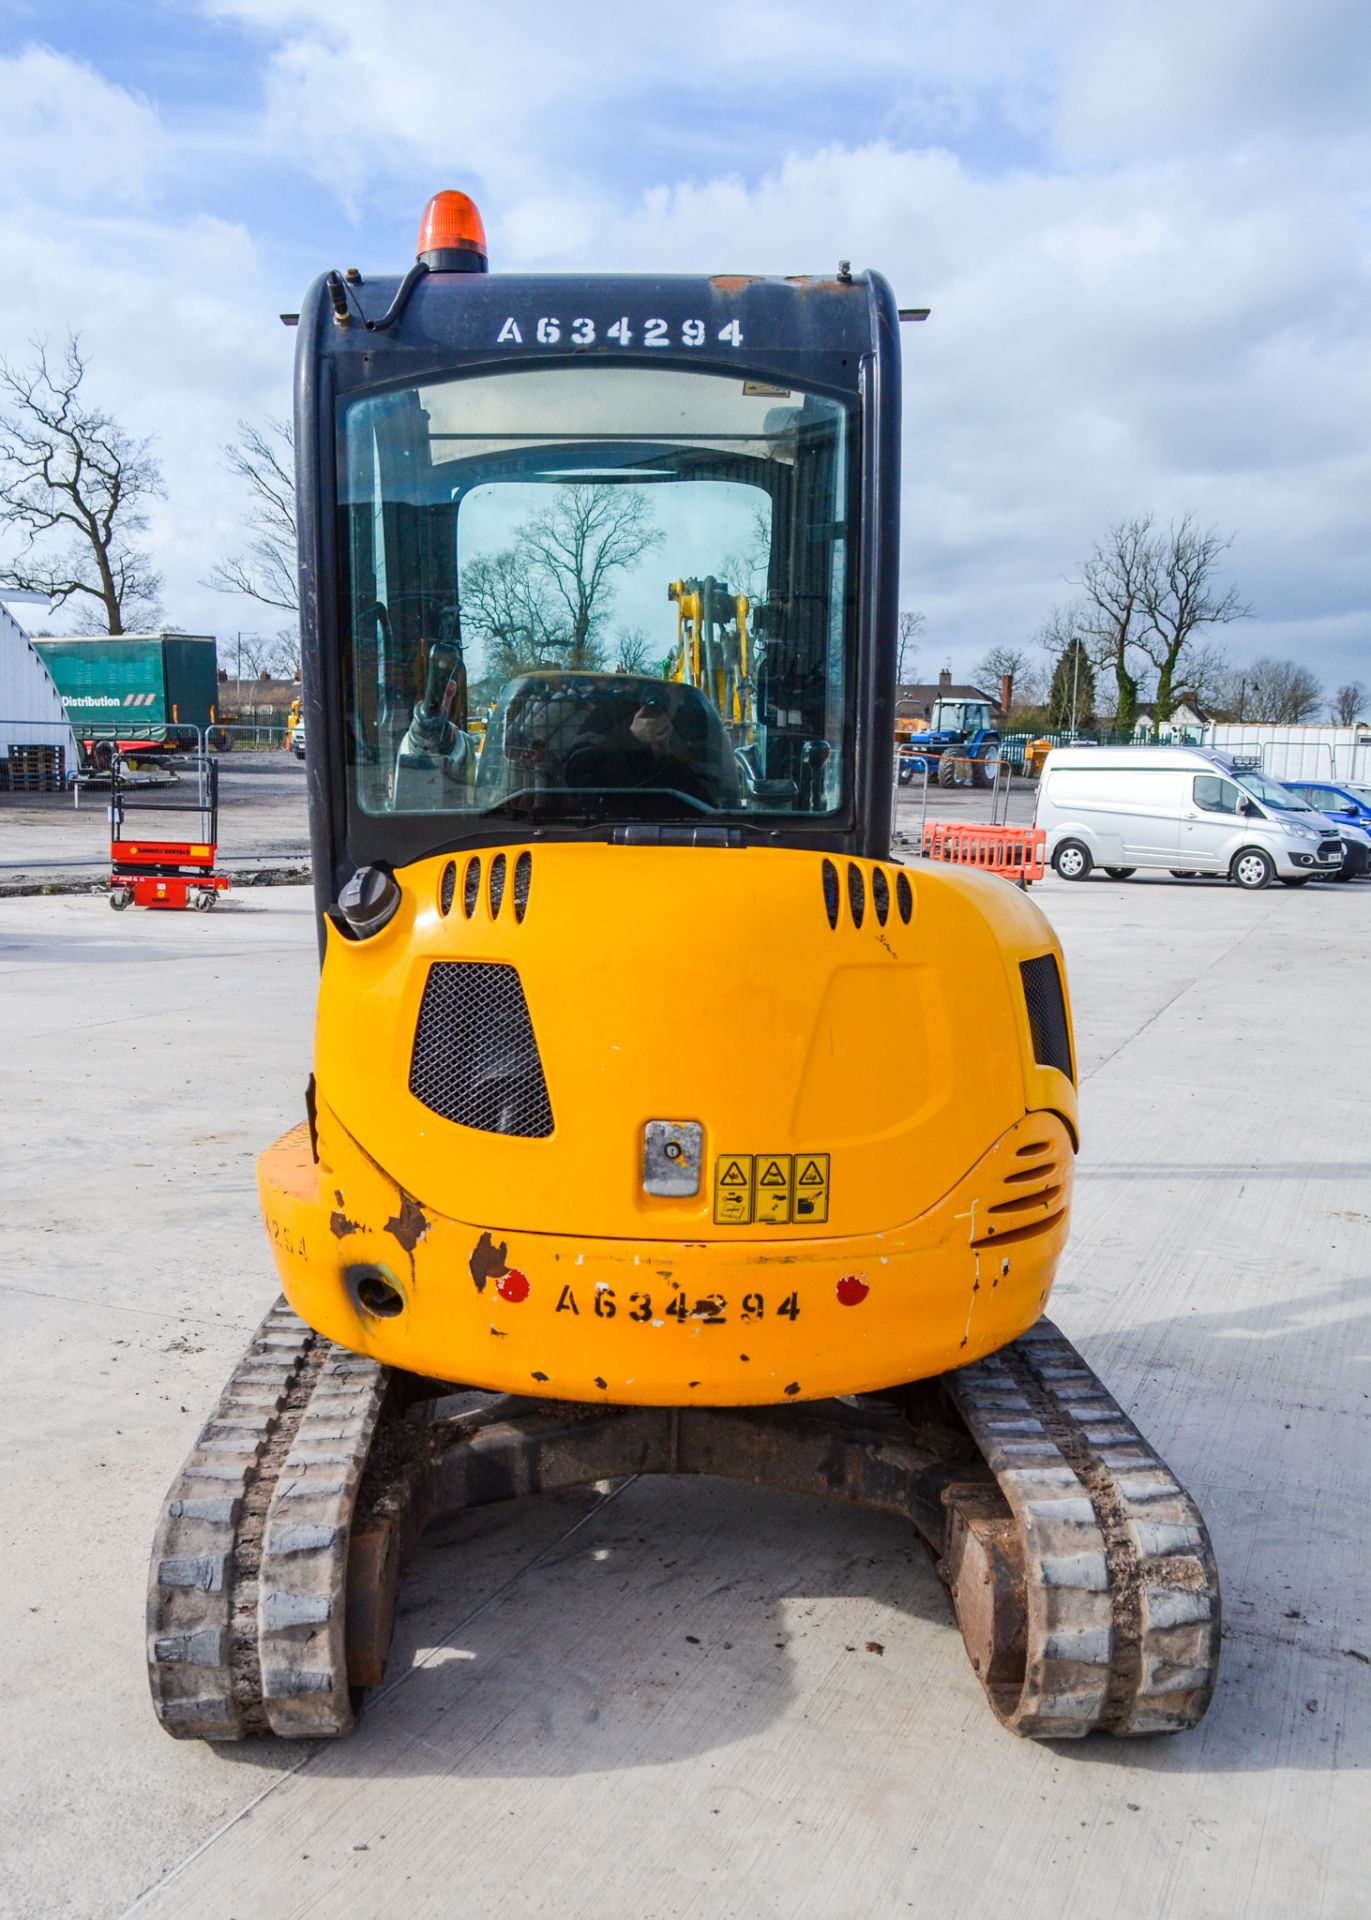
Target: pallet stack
[(34, 769)]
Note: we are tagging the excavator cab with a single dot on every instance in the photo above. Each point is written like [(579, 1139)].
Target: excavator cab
[(612, 1159), (518, 505)]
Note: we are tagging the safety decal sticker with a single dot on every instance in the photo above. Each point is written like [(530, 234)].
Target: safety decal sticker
[(771, 1189), (733, 1190)]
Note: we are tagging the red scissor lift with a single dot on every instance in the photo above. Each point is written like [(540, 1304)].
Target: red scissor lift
[(146, 868)]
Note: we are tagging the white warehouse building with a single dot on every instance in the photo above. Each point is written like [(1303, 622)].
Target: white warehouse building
[(31, 710)]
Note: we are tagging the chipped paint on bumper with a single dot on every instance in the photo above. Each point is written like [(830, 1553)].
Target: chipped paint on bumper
[(652, 1323)]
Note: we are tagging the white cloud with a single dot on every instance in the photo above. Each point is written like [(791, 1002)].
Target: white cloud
[(180, 335), (1142, 231), (63, 127), (1173, 75)]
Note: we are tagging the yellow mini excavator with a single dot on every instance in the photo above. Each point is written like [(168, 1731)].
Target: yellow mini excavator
[(611, 1162)]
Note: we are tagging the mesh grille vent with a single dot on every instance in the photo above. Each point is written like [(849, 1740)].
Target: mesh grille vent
[(471, 887), (475, 1058), (880, 894), (497, 884), (1042, 990), (448, 887), (831, 892), (904, 897), (523, 879), (856, 893)]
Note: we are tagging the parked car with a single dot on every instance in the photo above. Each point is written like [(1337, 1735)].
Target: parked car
[(1184, 810), (1346, 805), (1356, 853), (297, 740)]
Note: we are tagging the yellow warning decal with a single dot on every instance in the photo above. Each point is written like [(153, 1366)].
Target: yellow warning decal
[(771, 1189), (810, 1190), (771, 1205), (733, 1189)]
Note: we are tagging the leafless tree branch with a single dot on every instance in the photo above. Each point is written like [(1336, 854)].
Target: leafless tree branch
[(72, 487), (264, 459), (1116, 582), (909, 628), (1180, 595)]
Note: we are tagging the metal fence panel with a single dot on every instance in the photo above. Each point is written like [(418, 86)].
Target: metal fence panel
[(54, 816)]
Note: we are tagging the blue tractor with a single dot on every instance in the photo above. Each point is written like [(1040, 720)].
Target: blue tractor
[(960, 749)]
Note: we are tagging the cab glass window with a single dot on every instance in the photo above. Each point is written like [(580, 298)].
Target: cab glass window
[(597, 593), (1271, 793), (1215, 795)]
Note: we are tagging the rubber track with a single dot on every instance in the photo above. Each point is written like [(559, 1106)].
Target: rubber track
[(1121, 1588), (246, 1594)]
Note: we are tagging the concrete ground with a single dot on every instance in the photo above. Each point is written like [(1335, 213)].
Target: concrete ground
[(666, 1702)]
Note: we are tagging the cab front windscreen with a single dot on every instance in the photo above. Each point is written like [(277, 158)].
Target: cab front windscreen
[(592, 593), (1271, 792)]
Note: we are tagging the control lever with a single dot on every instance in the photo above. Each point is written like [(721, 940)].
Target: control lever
[(430, 729), (813, 761)]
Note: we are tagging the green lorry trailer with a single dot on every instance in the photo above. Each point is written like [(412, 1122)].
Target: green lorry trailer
[(134, 691)]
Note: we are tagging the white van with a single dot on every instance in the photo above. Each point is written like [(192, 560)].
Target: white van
[(1187, 810)]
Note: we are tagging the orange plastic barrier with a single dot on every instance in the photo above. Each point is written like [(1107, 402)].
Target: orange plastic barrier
[(1016, 852)]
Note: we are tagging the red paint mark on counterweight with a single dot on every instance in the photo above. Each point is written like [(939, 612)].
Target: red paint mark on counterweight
[(852, 1290), (512, 1286)]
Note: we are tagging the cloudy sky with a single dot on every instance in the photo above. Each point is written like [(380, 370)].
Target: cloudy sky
[(1143, 231)]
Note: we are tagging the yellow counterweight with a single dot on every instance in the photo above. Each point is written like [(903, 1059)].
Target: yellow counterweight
[(884, 1163)]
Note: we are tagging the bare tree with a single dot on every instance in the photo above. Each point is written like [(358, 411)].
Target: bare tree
[(1078, 620), (72, 485), (1348, 703), (285, 653), (633, 651), (1117, 580), (252, 654), (1279, 692), (264, 457), (573, 548), (1208, 678), (747, 568), (1024, 672), (545, 598), (1180, 595), (501, 603), (908, 629)]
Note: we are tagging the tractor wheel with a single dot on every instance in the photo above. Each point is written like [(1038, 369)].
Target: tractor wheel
[(954, 769), (985, 767)]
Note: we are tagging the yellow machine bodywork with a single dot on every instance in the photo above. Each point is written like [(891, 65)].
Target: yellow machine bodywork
[(871, 1084)]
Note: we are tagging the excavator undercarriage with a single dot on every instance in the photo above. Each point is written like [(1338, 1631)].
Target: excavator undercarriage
[(1079, 1569)]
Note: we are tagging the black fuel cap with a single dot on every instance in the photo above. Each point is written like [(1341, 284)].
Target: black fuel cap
[(369, 900)]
